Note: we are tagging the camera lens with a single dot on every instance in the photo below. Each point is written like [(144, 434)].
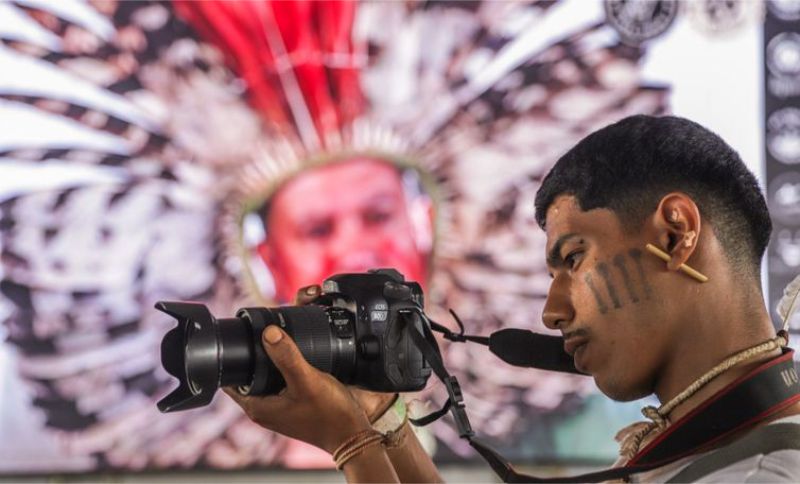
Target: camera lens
[(218, 354), (324, 336), (205, 353)]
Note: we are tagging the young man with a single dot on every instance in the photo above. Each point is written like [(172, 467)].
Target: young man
[(637, 324)]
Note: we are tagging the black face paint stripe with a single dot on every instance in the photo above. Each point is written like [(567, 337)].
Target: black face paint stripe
[(602, 268), (619, 263), (636, 255), (597, 296)]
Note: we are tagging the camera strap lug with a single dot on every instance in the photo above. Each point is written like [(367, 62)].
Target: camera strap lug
[(458, 408), (455, 402)]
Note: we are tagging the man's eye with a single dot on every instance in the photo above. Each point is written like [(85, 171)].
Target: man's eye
[(317, 231), (572, 259), (377, 217)]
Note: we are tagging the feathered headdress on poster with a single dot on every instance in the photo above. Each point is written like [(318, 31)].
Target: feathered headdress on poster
[(790, 303), (149, 99), (299, 61)]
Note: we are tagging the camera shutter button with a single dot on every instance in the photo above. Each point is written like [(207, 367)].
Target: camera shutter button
[(396, 291)]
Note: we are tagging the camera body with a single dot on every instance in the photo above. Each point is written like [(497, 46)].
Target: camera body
[(357, 330), (382, 304)]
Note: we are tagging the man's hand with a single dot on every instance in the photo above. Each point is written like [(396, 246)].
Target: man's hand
[(374, 404), (314, 407), (408, 462)]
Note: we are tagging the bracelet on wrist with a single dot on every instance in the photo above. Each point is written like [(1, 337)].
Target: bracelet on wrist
[(356, 445), (388, 430)]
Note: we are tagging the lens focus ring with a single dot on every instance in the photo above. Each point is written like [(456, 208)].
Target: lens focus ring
[(311, 331)]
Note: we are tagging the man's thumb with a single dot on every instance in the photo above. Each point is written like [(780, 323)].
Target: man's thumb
[(284, 353), (272, 335)]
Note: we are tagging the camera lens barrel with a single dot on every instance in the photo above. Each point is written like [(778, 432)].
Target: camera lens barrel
[(264, 370), (218, 354), (205, 353), (325, 337), (309, 328), (237, 352)]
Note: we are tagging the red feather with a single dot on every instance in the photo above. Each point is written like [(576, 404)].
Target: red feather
[(288, 52)]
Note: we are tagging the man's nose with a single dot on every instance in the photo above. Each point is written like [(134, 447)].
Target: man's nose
[(353, 248), (558, 311), (346, 238)]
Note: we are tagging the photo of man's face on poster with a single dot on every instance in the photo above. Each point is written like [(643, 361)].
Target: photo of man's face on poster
[(343, 217)]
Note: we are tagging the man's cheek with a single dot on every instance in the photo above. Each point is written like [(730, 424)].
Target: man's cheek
[(305, 262), (403, 256), (617, 282), (394, 244)]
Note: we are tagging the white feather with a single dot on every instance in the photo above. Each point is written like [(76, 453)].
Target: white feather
[(789, 302)]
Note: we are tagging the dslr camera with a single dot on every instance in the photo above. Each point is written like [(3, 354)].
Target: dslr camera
[(357, 330)]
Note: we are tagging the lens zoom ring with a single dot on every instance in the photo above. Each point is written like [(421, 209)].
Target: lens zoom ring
[(311, 330)]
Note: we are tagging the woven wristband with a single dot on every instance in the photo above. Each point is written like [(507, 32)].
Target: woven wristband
[(349, 442), (357, 447)]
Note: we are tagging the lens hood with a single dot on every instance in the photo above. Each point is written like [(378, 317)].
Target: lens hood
[(193, 319)]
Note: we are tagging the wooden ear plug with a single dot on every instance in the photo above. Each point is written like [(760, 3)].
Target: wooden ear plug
[(683, 267)]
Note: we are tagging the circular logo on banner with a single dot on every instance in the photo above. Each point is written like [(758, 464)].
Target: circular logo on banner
[(785, 9), (784, 198), (783, 135), (783, 54), (640, 20), (786, 244), (716, 17)]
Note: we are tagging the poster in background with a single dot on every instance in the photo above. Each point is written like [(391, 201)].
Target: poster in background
[(230, 152), (781, 50)]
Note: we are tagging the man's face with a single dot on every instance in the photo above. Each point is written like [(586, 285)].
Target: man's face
[(344, 217), (608, 299)]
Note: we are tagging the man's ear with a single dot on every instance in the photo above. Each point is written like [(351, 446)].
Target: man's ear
[(421, 215), (265, 252), (271, 260), (677, 222)]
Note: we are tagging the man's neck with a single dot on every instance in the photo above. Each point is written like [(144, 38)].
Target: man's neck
[(709, 346), (718, 384)]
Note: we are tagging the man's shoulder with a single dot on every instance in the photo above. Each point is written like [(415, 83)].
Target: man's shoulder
[(767, 454), (777, 466)]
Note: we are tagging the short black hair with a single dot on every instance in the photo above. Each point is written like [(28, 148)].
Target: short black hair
[(630, 165)]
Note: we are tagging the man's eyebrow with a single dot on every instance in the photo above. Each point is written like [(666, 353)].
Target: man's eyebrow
[(381, 196), (554, 256)]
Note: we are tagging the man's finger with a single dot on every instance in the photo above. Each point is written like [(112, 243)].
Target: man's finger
[(307, 294), (287, 357), (261, 409), (242, 400), (235, 395)]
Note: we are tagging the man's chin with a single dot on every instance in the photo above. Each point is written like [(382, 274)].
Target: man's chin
[(618, 389)]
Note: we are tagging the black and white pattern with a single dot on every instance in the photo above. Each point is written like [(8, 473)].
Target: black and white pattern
[(126, 136)]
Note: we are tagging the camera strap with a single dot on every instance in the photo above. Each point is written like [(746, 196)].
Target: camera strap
[(741, 405)]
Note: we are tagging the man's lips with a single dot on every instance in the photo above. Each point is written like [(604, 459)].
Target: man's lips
[(573, 341)]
